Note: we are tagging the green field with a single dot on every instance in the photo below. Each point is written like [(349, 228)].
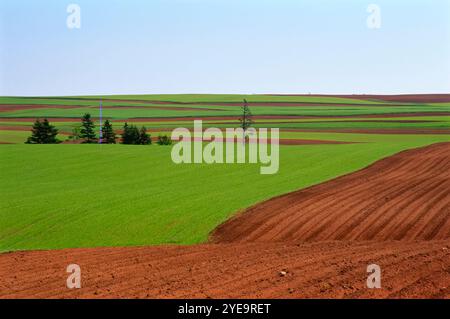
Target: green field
[(60, 196)]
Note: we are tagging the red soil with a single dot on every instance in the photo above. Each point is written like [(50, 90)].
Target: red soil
[(18, 107), (14, 128), (315, 242), (33, 119), (404, 197), (318, 270)]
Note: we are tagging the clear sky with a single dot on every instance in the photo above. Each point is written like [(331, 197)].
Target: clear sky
[(224, 46)]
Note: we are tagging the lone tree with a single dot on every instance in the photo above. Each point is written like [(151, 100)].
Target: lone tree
[(246, 119), (87, 129), (43, 133), (109, 136)]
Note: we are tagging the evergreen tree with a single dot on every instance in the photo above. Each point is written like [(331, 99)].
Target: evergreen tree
[(246, 121), (246, 118), (134, 134), (130, 134), (43, 133), (36, 133), (109, 136), (144, 138), (87, 129), (126, 134)]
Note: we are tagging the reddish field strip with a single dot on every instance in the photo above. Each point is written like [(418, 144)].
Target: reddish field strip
[(403, 197), (15, 128), (319, 270), (18, 107)]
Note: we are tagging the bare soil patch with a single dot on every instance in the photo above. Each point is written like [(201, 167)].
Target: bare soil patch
[(403, 197), (18, 107), (252, 270)]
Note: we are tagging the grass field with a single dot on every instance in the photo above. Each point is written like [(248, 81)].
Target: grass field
[(58, 196)]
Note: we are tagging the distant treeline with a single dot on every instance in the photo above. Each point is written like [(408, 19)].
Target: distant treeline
[(45, 133)]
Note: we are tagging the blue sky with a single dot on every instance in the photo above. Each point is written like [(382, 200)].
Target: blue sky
[(224, 46)]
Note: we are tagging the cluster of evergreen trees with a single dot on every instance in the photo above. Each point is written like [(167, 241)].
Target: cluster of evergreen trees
[(132, 135), (44, 133)]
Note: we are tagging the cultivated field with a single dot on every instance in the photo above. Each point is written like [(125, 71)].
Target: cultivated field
[(366, 176)]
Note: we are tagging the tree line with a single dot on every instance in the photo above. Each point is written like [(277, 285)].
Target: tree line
[(43, 132)]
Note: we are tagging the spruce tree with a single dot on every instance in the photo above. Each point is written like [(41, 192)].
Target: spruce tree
[(50, 133), (87, 129), (36, 133), (144, 138), (130, 134), (43, 133), (109, 136), (126, 134), (246, 118)]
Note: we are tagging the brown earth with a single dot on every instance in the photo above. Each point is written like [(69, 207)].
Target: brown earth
[(15, 128), (253, 270), (404, 197), (315, 242), (33, 119), (19, 107)]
